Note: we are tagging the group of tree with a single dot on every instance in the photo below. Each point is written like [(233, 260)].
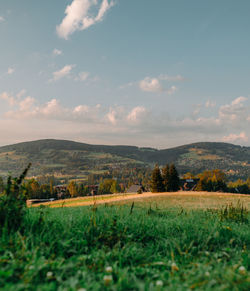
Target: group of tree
[(212, 181), (216, 181), (239, 186), (106, 186), (124, 175), (165, 180)]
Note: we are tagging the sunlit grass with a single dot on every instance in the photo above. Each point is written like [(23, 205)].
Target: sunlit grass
[(190, 200), (152, 244)]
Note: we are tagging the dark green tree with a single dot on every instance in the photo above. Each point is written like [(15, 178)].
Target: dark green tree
[(174, 180), (165, 177), (157, 181), (1, 185), (45, 191)]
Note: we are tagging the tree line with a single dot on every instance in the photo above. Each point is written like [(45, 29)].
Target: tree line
[(165, 179)]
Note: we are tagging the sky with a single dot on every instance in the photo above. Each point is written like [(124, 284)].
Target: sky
[(151, 73)]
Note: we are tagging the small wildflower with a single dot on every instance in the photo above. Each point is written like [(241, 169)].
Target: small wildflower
[(159, 283), (174, 267), (207, 253), (107, 279), (31, 267), (207, 274), (82, 289), (242, 270), (49, 274), (109, 269)]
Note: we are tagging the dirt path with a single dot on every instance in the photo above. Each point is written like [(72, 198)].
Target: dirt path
[(102, 199)]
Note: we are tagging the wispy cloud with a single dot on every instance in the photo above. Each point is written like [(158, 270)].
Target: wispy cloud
[(57, 52), (154, 85), (10, 71), (82, 76), (210, 104), (64, 72), (232, 137), (171, 78), (79, 17), (2, 19), (8, 98), (234, 112), (137, 114)]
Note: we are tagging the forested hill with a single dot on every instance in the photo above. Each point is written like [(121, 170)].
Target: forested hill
[(68, 157)]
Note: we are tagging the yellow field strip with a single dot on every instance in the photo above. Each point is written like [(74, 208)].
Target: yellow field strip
[(102, 199)]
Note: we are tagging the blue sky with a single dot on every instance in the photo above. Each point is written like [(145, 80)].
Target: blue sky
[(149, 73)]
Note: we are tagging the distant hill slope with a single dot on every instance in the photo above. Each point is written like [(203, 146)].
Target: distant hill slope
[(63, 157)]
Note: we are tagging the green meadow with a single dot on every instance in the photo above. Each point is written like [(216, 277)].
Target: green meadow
[(150, 245)]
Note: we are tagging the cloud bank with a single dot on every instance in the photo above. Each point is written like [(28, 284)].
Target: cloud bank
[(122, 124)]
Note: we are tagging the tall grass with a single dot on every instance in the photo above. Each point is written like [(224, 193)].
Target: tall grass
[(13, 203), (146, 248)]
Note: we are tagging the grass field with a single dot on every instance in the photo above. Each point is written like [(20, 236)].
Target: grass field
[(171, 242)]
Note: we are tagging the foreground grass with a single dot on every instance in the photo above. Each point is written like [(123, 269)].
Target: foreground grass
[(145, 246)]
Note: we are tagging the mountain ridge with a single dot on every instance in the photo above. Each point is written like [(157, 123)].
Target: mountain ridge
[(69, 157)]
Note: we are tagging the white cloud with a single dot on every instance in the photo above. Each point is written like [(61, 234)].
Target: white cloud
[(171, 90), (153, 85), (86, 77), (234, 112), (78, 16), (210, 104), (81, 109), (29, 108), (8, 98), (10, 71), (239, 101), (26, 104), (150, 85), (112, 116), (57, 52), (2, 19), (236, 137), (136, 114), (83, 76), (12, 100), (65, 71)]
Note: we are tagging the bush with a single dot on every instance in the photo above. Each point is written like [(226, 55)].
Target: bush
[(13, 203)]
